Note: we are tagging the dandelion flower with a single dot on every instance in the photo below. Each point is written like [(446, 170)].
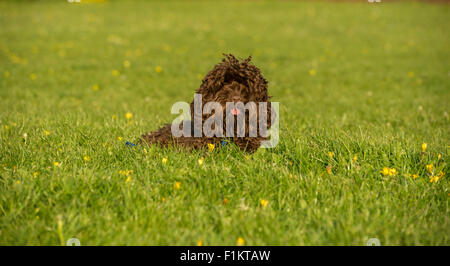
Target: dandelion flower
[(86, 158), (126, 64), (115, 73), (415, 176), (18, 182), (199, 243), (46, 132), (7, 74), (177, 185), (199, 76), (355, 158), (33, 76), (312, 72), (434, 179), (392, 172), (35, 174), (211, 147), (225, 201), (430, 167), (439, 156), (240, 241), (424, 147), (119, 138), (329, 167), (164, 160), (200, 161), (411, 74), (264, 202), (128, 179), (163, 199), (331, 154), (95, 87), (56, 164), (128, 115), (158, 69), (385, 171)]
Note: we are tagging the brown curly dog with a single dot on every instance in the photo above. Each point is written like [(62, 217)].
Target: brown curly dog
[(229, 81)]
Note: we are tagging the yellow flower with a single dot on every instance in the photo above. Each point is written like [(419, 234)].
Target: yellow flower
[(264, 202), (164, 160), (95, 87), (430, 168), (312, 72), (86, 158), (199, 243), (441, 174), (115, 73), (33, 76), (385, 171), (225, 201), (46, 132), (7, 74), (119, 138), (163, 199), (158, 69), (329, 167), (424, 147), (355, 158), (415, 176), (177, 185), (18, 182), (199, 76), (291, 176), (128, 179), (126, 64), (128, 115), (145, 151), (411, 74), (6, 127), (331, 154), (113, 117), (211, 147), (240, 241), (35, 174), (246, 157), (200, 161), (434, 179), (439, 156), (56, 164), (392, 172)]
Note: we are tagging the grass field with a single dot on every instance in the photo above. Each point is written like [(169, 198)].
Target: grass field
[(361, 87)]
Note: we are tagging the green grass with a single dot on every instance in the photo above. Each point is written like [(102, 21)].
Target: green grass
[(381, 89)]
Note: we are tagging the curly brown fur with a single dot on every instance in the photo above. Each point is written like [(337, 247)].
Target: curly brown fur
[(228, 81)]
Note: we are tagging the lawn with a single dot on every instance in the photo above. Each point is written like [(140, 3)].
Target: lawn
[(361, 87)]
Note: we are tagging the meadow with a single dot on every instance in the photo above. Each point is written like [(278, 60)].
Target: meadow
[(364, 96)]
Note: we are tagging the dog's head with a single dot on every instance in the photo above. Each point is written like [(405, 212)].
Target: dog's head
[(232, 81)]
